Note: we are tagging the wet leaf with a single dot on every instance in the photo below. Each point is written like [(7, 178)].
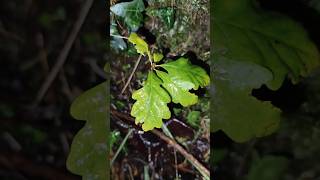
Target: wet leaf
[(151, 105), (157, 57), (131, 12), (186, 75), (178, 92), (116, 43), (140, 45), (182, 76), (89, 147)]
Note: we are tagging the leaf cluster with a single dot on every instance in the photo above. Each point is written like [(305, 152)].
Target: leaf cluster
[(162, 87)]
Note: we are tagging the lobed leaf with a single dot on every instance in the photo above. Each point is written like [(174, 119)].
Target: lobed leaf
[(140, 45), (254, 47), (246, 33), (234, 110), (89, 148), (151, 105), (186, 75), (178, 93), (157, 57)]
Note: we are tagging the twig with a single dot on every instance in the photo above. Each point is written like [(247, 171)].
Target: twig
[(65, 51), (168, 133), (43, 57), (131, 75), (66, 87), (118, 36), (121, 145), (203, 170)]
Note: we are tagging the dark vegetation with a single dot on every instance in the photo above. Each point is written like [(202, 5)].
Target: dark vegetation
[(35, 140), (290, 153)]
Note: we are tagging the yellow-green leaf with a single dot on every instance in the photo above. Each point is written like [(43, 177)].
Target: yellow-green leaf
[(179, 93), (140, 45), (157, 57), (186, 75), (151, 105)]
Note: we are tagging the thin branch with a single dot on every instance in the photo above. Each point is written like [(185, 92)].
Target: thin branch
[(118, 36), (65, 51), (131, 75), (169, 134), (121, 145), (203, 170)]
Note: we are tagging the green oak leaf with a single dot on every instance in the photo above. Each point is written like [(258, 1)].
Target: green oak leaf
[(140, 45), (89, 149), (151, 105), (131, 12), (234, 110), (179, 94), (186, 75), (253, 47), (245, 32), (157, 57)]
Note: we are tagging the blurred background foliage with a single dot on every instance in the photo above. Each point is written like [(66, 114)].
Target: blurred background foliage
[(292, 152), (35, 140)]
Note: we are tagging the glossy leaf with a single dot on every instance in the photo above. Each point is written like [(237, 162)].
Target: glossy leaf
[(151, 105), (131, 12), (140, 45), (186, 75), (246, 33), (178, 92), (157, 57), (88, 155), (116, 43)]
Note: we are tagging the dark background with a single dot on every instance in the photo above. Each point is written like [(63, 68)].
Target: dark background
[(35, 140)]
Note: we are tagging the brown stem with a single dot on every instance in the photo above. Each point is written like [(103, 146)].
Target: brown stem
[(203, 170), (64, 52)]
